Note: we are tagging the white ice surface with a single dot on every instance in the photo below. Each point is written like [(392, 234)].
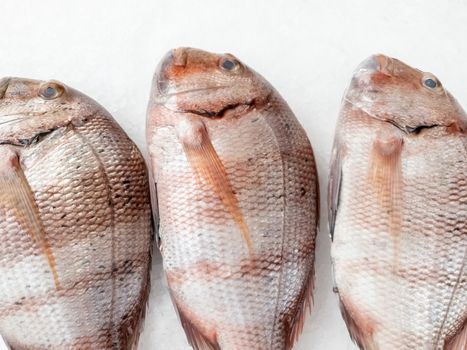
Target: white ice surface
[(306, 49)]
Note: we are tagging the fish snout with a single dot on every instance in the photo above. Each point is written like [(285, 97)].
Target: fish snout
[(375, 63), (4, 82), (177, 59)]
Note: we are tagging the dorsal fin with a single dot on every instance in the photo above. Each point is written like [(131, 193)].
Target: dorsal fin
[(16, 194)]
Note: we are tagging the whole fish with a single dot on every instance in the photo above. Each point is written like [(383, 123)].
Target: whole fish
[(238, 202), (75, 222), (398, 210)]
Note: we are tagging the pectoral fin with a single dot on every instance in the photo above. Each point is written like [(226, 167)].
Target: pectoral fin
[(207, 165), (16, 195), (385, 176)]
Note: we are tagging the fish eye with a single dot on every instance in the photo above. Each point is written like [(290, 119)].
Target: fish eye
[(51, 90), (431, 82), (229, 64)]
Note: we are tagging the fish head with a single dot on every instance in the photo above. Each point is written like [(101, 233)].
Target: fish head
[(204, 83), (390, 90), (29, 106)]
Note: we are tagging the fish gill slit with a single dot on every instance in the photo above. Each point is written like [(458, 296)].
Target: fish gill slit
[(222, 112), (248, 106), (114, 337)]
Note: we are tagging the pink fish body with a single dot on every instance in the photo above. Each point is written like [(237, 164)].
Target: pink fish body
[(398, 210), (238, 202), (75, 222)]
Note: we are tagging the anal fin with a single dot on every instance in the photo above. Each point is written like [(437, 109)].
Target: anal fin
[(305, 303), (196, 338), (459, 341), (17, 195), (361, 328)]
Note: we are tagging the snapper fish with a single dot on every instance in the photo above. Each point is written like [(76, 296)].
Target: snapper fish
[(238, 202), (75, 222), (398, 210)]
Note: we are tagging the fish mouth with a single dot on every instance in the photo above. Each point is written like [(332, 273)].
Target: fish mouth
[(173, 92), (170, 96), (4, 82)]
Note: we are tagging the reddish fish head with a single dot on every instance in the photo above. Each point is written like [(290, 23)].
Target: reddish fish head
[(204, 83), (31, 106), (390, 90)]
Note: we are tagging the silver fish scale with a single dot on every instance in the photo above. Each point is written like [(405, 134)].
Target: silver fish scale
[(298, 215), (270, 164), (91, 188), (416, 299)]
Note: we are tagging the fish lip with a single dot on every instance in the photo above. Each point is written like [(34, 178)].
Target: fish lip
[(4, 82), (162, 86), (176, 58), (161, 83)]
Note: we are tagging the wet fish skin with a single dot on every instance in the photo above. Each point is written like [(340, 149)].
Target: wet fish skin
[(75, 221), (398, 208), (238, 202)]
